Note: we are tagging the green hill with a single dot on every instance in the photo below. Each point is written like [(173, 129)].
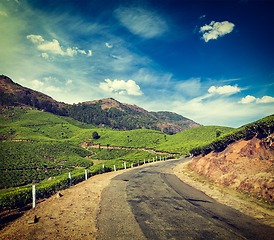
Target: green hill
[(36, 145), (184, 141), (107, 113), (262, 128)]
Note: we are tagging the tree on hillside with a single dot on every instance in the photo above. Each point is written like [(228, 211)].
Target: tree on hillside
[(218, 133), (95, 135)]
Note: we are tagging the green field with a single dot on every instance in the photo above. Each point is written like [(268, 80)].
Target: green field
[(36, 146)]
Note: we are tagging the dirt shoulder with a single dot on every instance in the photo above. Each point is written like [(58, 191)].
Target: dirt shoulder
[(224, 195), (71, 216), (74, 214)]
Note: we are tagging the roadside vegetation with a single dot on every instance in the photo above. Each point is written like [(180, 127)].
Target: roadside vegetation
[(261, 128)]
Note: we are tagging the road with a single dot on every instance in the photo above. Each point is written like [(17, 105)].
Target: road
[(150, 202)]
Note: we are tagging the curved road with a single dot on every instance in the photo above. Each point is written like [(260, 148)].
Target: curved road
[(150, 202)]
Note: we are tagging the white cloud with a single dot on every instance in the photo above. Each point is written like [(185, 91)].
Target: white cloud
[(89, 53), (227, 89), (219, 112), (48, 79), (216, 29), (52, 47), (265, 99), (247, 99), (53, 89), (69, 82), (70, 52), (45, 55), (141, 22), (35, 39), (36, 84), (82, 51), (121, 87), (203, 16), (108, 45)]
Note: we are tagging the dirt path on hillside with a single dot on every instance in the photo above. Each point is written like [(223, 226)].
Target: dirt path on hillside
[(73, 216), (90, 144)]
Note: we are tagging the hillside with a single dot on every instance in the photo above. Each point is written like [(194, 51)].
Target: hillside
[(103, 113), (36, 145), (242, 160)]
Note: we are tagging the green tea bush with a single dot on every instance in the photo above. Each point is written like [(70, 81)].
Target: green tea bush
[(21, 196), (260, 128)]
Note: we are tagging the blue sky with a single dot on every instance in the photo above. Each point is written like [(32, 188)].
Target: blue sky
[(210, 61)]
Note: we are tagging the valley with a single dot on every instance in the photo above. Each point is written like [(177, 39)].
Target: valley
[(41, 146)]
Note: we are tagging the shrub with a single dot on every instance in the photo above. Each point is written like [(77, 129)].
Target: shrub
[(95, 135)]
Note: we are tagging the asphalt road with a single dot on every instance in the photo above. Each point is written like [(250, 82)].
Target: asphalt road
[(150, 202)]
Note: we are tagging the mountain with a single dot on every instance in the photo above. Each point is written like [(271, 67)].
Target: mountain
[(103, 113)]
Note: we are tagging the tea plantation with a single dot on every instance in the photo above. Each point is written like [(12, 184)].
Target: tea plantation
[(37, 146)]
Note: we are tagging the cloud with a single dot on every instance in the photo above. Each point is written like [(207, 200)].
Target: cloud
[(190, 87), (53, 89), (151, 77), (52, 47), (141, 22), (69, 82), (50, 79), (216, 29), (265, 99), (227, 89), (249, 99), (36, 84), (45, 55), (89, 53), (219, 112), (82, 51), (108, 45), (203, 16), (35, 39), (121, 87)]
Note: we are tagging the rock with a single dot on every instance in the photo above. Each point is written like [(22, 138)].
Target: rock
[(58, 195), (35, 220)]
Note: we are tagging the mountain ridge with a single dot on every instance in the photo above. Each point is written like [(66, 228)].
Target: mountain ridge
[(102, 113)]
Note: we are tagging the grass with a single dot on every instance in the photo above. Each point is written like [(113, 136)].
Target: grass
[(184, 141), (37, 145), (51, 145)]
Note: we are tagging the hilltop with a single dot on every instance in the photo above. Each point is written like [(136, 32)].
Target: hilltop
[(102, 113)]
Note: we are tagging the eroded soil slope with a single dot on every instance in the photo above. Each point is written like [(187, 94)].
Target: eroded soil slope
[(244, 165)]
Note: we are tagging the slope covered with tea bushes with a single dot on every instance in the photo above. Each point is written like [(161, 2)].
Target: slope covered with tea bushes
[(261, 128), (36, 145)]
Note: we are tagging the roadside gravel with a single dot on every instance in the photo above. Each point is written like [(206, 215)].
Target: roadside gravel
[(226, 196), (71, 216)]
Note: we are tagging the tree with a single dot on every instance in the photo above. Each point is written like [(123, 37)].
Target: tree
[(218, 133), (95, 135)]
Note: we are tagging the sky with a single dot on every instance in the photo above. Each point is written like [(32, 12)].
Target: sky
[(209, 61)]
